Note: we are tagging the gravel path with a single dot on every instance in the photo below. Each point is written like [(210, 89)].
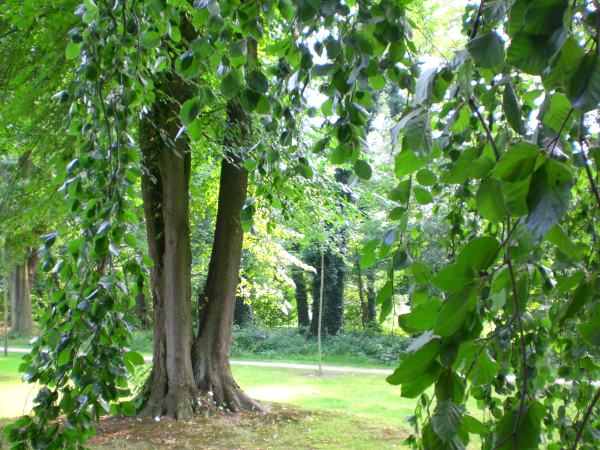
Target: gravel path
[(281, 365)]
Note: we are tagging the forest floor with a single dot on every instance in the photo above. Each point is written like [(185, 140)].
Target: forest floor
[(336, 410)]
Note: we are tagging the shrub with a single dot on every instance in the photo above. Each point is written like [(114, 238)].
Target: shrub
[(290, 342)]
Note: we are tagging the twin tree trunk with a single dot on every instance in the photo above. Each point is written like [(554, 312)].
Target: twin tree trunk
[(20, 283), (185, 368)]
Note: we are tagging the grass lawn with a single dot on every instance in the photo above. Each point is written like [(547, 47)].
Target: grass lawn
[(334, 411)]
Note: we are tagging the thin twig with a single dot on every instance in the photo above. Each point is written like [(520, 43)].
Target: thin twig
[(586, 163), (485, 127), (519, 318)]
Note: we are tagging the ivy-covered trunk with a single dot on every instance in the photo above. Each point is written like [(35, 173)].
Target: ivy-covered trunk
[(171, 390), (301, 298), (20, 282), (212, 370), (333, 295), (242, 315), (371, 298)]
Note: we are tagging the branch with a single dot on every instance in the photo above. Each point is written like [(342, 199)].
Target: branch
[(519, 318), (586, 163), (586, 418), (477, 21), (485, 127)]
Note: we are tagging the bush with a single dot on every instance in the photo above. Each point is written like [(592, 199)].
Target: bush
[(289, 342)]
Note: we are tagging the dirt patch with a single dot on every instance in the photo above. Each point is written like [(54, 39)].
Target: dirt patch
[(284, 427)]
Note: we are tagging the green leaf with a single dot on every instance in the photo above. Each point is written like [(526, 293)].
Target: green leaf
[(454, 277), (590, 332), (561, 239), (134, 358), (530, 53), (72, 51), (64, 357), (517, 162), (582, 295), (416, 387), (557, 113), (127, 408), (453, 312), (258, 81), (249, 100), (479, 253), (416, 129), (150, 39), (340, 154), (548, 197), (406, 162), (363, 169), (490, 201), (420, 318), (485, 369), (512, 109), (426, 177), (415, 364), (377, 81), (446, 420), (531, 421), (584, 87), (487, 50), (474, 426), (237, 53), (422, 195), (187, 65), (189, 110), (450, 386), (385, 292), (231, 84)]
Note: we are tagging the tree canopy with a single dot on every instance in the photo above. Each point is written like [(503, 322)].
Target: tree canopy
[(481, 211)]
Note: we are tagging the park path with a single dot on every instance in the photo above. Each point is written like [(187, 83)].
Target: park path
[(280, 365), (297, 366)]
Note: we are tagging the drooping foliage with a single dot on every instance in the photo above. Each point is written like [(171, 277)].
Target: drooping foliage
[(120, 47), (499, 145), (502, 140)]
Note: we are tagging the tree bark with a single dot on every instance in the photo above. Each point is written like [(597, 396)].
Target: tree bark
[(242, 315), (170, 390), (371, 297), (19, 285), (216, 306), (212, 345), (301, 298), (364, 312), (141, 310)]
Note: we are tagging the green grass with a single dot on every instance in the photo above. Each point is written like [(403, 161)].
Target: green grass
[(334, 411)]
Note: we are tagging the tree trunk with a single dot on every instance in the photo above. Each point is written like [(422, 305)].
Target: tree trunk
[(242, 315), (364, 311), (170, 390), (371, 297), (216, 305), (333, 297), (212, 346), (301, 298), (141, 311), (19, 285)]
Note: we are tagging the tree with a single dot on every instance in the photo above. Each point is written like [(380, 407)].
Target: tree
[(20, 284), (126, 54)]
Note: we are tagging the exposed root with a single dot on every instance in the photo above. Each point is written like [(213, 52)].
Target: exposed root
[(216, 381)]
